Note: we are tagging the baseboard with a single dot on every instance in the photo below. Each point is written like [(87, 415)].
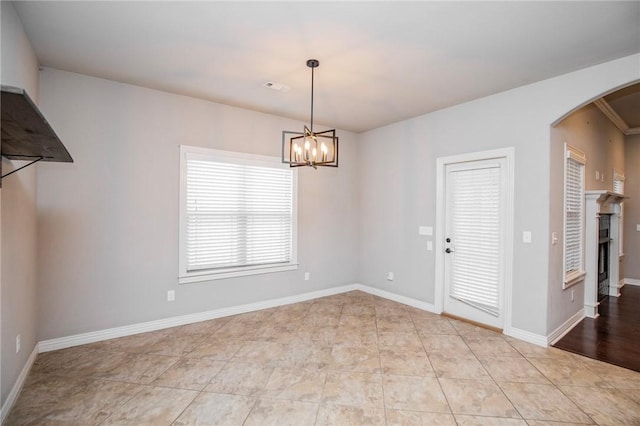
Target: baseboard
[(631, 281), (566, 327), (527, 336), (112, 333), (128, 330), (17, 386), (425, 306)]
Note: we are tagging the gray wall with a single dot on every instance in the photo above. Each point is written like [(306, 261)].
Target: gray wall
[(108, 224), (632, 208), (397, 182), (18, 217), (589, 130)]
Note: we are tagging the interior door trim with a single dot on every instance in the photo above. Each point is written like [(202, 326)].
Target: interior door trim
[(509, 155)]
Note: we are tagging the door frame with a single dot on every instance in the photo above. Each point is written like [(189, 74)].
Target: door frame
[(441, 162)]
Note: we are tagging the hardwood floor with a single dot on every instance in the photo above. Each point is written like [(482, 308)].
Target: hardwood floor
[(614, 336)]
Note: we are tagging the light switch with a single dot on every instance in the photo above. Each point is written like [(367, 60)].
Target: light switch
[(425, 230), (526, 237), (554, 238), (638, 227), (430, 245)]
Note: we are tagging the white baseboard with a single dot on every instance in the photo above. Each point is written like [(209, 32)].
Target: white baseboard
[(17, 386), (631, 281), (566, 327), (425, 306), (527, 336), (128, 330), (111, 333)]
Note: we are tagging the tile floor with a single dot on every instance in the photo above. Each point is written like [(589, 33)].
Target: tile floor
[(348, 359)]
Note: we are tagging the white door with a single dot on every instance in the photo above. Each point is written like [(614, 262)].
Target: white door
[(474, 239)]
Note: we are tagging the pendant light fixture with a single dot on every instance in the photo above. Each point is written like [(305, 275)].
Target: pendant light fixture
[(310, 148)]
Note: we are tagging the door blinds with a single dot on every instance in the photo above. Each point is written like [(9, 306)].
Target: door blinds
[(475, 230), (237, 215)]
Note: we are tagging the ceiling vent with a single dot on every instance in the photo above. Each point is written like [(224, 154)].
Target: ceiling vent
[(277, 86)]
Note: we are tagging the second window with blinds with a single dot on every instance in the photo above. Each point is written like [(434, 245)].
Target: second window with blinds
[(237, 215), (575, 161)]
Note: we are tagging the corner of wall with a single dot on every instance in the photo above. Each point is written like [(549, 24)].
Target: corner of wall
[(18, 221)]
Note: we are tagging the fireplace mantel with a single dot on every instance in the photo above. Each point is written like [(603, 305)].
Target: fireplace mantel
[(606, 200)]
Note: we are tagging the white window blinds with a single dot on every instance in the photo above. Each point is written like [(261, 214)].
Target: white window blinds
[(618, 182), (574, 211), (237, 214), (475, 229)]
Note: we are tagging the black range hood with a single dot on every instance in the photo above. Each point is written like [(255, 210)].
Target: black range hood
[(26, 134)]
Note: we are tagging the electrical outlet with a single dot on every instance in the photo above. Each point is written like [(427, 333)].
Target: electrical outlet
[(18, 343), (171, 295), (307, 276), (390, 276), (554, 238)]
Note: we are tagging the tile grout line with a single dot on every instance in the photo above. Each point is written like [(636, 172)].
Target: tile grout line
[(384, 402)]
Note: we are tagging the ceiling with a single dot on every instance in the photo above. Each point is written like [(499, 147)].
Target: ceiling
[(380, 62), (626, 103)]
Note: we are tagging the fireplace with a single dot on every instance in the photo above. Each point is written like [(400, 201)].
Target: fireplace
[(604, 239), (602, 245)]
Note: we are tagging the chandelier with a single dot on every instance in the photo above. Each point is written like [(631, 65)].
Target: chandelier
[(309, 148)]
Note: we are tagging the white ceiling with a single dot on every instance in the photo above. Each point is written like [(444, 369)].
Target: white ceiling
[(380, 62)]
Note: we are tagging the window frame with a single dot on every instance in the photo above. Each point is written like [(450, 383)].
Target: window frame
[(209, 154), (577, 276)]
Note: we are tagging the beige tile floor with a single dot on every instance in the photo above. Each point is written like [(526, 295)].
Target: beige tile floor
[(348, 359)]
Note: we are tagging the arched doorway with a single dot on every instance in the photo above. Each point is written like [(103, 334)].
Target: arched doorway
[(607, 131)]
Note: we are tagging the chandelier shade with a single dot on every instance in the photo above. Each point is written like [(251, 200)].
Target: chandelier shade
[(309, 148)]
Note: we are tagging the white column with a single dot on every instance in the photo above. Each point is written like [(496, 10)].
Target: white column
[(614, 251), (592, 218)]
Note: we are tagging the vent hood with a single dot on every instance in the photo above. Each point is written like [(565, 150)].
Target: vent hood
[(26, 135)]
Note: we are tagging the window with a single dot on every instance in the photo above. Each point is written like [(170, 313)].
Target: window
[(237, 215), (618, 188), (573, 216)]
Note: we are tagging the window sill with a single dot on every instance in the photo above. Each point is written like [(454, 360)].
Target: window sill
[(233, 273), (573, 279)]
